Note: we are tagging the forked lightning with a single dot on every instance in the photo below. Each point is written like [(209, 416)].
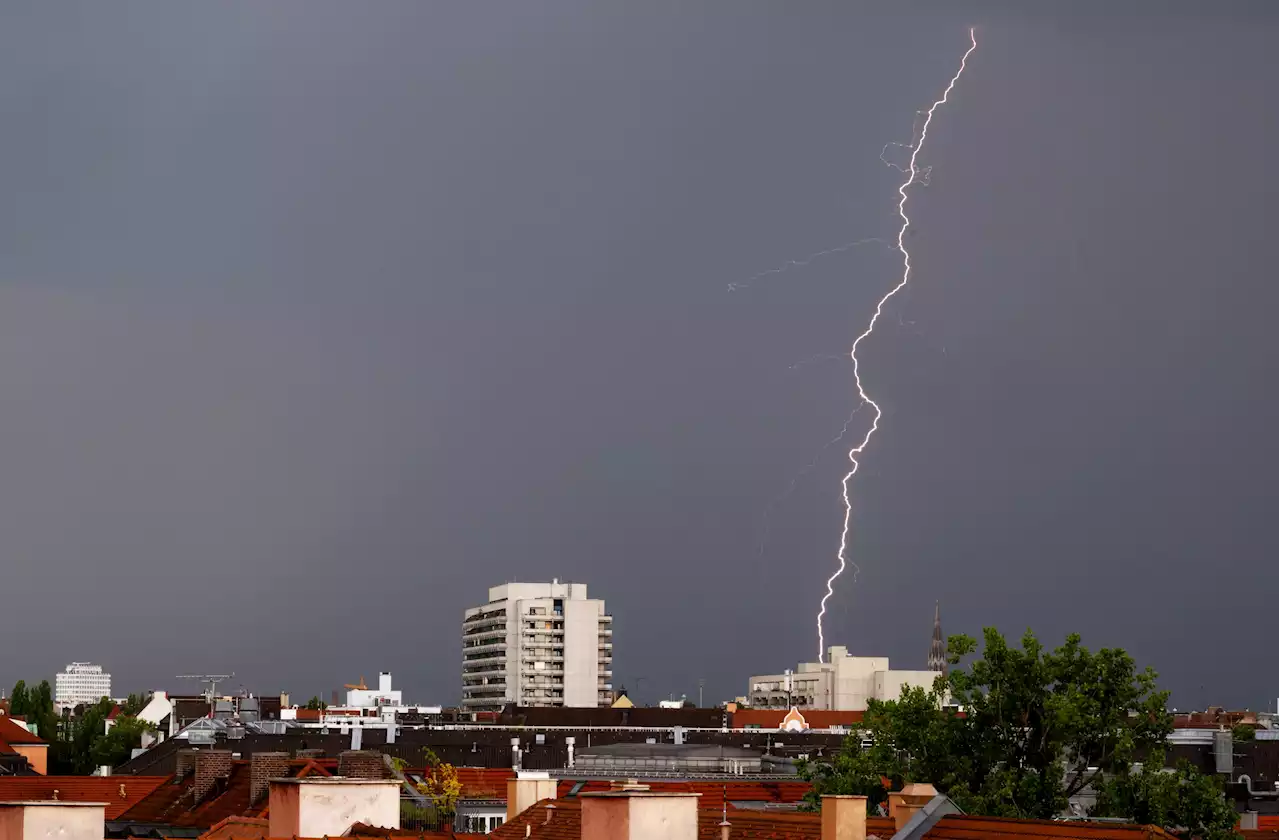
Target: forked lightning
[(914, 174)]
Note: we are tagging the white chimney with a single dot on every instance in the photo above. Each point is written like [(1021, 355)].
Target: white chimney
[(63, 820), (527, 789), (328, 807), (569, 742), (843, 818), (636, 813)]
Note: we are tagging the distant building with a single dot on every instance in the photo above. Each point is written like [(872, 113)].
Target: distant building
[(81, 682), (369, 698), (937, 648), (844, 682), (537, 644)]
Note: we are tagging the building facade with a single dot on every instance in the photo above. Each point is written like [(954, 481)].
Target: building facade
[(844, 683), (81, 682), (537, 644)]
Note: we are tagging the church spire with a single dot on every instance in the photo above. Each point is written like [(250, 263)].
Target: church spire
[(937, 650)]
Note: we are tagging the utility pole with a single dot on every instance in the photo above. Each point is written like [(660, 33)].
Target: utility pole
[(701, 683)]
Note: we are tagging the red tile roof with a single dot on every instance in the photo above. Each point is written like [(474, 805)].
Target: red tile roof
[(13, 734), (713, 793), (964, 827), (171, 804), (233, 828), (118, 792), (566, 824), (478, 782), (815, 718)]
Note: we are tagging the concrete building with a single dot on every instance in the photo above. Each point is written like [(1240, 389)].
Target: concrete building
[(537, 644), (844, 683), (81, 682), (371, 698)]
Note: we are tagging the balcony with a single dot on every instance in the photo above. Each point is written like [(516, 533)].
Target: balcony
[(484, 636), (482, 670), (484, 621), (470, 644)]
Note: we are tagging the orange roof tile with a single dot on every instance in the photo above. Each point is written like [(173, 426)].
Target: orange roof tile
[(118, 792), (815, 718), (13, 734), (566, 824), (171, 804), (478, 782), (237, 827), (713, 793), (965, 827)]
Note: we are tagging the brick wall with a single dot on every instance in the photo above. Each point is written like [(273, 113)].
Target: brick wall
[(361, 764), (211, 765), (263, 767), (185, 764)]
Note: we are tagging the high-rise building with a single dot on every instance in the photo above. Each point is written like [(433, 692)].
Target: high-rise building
[(537, 644), (81, 682)]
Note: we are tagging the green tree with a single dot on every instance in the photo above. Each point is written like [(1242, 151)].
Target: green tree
[(118, 744), (1182, 798), (1037, 726), (18, 700), (316, 704), (86, 731), (1243, 732), (134, 704)]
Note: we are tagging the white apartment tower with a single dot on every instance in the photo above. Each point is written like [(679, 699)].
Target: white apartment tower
[(81, 682), (537, 644)]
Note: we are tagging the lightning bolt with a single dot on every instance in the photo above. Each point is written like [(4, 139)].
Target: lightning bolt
[(800, 263), (914, 174)]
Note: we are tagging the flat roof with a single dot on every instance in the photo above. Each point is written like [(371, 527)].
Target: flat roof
[(334, 780), (61, 803)]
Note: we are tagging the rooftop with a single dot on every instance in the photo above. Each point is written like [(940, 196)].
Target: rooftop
[(117, 793), (14, 734)]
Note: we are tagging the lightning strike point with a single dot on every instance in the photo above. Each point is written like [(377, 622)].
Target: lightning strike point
[(915, 175)]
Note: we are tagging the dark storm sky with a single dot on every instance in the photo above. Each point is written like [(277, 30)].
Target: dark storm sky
[(317, 319)]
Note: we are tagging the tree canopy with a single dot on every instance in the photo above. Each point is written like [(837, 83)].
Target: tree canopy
[(1018, 731)]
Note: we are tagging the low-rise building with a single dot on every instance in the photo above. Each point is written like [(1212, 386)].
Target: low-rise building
[(843, 682), (21, 750)]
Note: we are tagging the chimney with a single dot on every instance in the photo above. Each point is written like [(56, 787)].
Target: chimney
[(64, 820), (637, 813), (904, 803), (527, 789), (844, 818), (568, 743), (515, 754), (328, 807), (211, 765), (263, 767), (361, 764), (186, 764)]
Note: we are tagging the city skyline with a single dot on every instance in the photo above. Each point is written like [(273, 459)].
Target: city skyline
[(314, 320)]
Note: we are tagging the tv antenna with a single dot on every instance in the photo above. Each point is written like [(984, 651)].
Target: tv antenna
[(211, 680)]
